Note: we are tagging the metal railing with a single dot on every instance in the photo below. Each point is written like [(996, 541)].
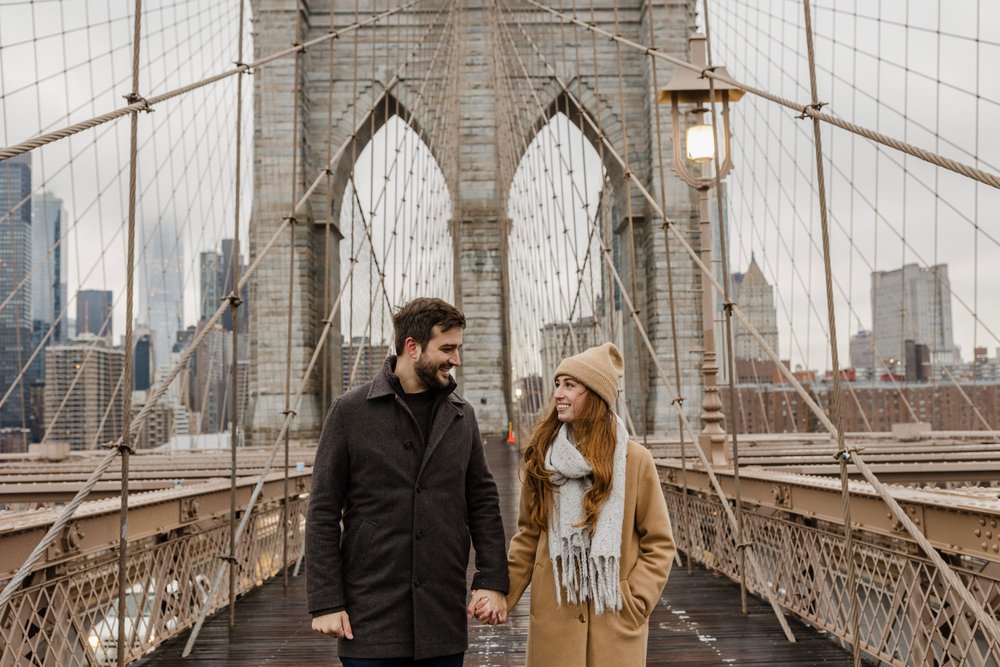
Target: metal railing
[(909, 615), (71, 618)]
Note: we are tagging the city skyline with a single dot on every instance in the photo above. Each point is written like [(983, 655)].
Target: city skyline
[(185, 187)]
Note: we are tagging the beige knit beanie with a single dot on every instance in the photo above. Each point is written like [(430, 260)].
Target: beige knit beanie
[(598, 368)]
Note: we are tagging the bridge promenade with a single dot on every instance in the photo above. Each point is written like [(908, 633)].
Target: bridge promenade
[(697, 622), (907, 611)]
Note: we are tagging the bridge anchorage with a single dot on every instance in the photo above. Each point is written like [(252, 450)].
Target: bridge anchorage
[(792, 250)]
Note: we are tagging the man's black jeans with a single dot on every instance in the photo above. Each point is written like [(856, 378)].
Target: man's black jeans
[(442, 661)]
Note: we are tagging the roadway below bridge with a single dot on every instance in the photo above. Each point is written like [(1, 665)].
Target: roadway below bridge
[(697, 622)]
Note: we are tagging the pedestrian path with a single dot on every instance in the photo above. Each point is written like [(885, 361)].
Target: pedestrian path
[(697, 622)]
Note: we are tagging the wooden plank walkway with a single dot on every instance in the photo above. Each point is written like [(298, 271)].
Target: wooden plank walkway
[(696, 623)]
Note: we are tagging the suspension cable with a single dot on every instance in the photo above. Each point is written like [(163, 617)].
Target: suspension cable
[(234, 304), (667, 251), (844, 453), (147, 104), (805, 109)]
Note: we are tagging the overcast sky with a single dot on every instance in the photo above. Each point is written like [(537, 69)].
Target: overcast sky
[(922, 71)]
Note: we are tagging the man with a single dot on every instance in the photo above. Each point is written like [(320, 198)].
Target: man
[(401, 463)]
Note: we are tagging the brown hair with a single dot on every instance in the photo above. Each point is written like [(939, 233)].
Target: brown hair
[(595, 434), (418, 318)]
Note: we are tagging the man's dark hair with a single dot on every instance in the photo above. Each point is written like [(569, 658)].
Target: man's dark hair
[(418, 318)]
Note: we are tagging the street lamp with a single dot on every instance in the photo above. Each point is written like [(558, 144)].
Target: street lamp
[(688, 87)]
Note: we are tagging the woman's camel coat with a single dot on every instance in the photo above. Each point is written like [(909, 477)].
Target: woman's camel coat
[(572, 635)]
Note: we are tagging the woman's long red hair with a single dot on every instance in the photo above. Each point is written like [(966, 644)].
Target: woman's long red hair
[(595, 432)]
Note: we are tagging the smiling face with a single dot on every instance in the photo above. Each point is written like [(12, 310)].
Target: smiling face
[(433, 364), (570, 396)]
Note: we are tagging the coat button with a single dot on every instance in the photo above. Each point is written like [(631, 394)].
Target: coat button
[(419, 488), (583, 619), (420, 534), (407, 445), (416, 583)]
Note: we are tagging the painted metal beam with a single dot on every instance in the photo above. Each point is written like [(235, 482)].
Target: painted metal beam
[(964, 521), (95, 527)]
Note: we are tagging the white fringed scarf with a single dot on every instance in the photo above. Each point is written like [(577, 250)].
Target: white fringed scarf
[(586, 566)]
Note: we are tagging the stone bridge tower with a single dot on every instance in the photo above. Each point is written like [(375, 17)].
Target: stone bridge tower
[(460, 124)]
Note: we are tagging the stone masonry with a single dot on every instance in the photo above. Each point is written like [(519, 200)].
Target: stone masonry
[(448, 93)]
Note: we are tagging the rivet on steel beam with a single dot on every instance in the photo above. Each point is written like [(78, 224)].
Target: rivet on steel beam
[(72, 538), (996, 548), (977, 532)]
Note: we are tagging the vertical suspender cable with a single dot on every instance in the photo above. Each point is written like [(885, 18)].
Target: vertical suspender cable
[(383, 243), (843, 453), (975, 235), (365, 343), (640, 358), (124, 445), (610, 316), (234, 303), (679, 399), (296, 101), (741, 544), (558, 201), (328, 227), (592, 242), (354, 161)]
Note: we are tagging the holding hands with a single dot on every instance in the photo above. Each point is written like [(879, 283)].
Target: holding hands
[(489, 607)]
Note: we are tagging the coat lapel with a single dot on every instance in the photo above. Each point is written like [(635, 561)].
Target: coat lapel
[(447, 412)]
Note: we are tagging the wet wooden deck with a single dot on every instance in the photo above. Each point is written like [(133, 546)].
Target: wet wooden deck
[(696, 623)]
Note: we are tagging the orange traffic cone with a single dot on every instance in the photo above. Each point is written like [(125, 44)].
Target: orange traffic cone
[(511, 438)]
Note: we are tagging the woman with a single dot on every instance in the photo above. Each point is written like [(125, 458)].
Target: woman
[(593, 540)]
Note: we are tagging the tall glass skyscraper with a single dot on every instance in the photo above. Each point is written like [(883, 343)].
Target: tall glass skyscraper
[(48, 277), (161, 289), (93, 312), (15, 262), (912, 303), (48, 282)]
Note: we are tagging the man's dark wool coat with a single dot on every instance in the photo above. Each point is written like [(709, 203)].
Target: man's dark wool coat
[(399, 568)]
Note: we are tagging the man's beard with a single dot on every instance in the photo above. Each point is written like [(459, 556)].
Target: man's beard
[(428, 373)]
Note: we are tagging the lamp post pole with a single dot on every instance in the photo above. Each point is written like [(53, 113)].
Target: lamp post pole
[(712, 438)]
